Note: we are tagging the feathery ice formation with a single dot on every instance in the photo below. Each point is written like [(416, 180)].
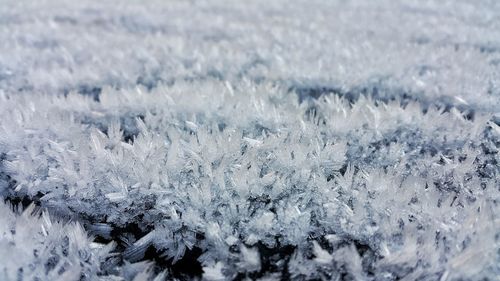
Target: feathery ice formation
[(261, 141)]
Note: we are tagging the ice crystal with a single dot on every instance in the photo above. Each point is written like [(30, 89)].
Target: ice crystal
[(265, 140)]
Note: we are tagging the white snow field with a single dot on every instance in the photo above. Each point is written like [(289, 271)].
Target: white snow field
[(249, 140)]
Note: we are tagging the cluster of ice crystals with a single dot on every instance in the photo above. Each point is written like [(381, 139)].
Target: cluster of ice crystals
[(349, 187), (35, 247), (265, 140)]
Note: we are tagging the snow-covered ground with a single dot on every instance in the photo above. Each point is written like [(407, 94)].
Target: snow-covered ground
[(269, 140)]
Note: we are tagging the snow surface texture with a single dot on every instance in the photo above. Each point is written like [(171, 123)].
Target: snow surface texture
[(269, 140)]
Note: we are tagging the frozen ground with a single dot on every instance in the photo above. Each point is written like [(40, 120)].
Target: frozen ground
[(268, 140)]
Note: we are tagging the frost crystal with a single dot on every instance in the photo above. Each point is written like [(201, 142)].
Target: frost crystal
[(319, 140)]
